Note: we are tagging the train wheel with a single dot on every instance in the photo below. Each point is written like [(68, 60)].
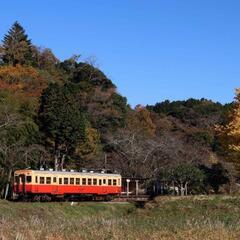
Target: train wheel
[(46, 198), (108, 198), (37, 198)]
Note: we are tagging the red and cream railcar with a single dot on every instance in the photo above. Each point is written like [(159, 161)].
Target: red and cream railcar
[(38, 184)]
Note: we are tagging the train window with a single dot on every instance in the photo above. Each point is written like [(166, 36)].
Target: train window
[(89, 181), (77, 181), (48, 180), (42, 180), (84, 181), (36, 179), (65, 180), (118, 182), (104, 181), (94, 181), (109, 182), (114, 182), (71, 180), (60, 180), (29, 179), (54, 179), (100, 182)]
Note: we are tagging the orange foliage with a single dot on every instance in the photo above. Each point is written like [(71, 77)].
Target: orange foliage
[(24, 80), (141, 119), (229, 134)]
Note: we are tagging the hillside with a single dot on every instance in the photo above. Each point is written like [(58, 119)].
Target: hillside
[(69, 115)]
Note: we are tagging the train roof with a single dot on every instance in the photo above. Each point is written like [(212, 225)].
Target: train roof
[(69, 172)]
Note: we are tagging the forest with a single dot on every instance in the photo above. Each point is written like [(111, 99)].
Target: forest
[(69, 115)]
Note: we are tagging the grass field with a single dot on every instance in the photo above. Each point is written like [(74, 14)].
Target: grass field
[(216, 217)]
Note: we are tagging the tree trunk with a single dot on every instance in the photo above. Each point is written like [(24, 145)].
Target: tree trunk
[(8, 184), (62, 162), (173, 188), (56, 157), (186, 188), (56, 162), (182, 191)]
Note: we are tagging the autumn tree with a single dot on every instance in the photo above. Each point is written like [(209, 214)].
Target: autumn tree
[(16, 47), (229, 133), (23, 80)]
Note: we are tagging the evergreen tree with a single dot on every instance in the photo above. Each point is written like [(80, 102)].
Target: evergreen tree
[(62, 121), (17, 48)]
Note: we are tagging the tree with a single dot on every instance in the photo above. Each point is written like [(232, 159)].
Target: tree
[(98, 96), (48, 65), (90, 149), (8, 115), (61, 120), (216, 176), (19, 139), (133, 144), (17, 48), (44, 58), (184, 176), (229, 133), (202, 113), (23, 80)]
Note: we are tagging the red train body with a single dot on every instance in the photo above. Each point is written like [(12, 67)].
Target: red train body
[(40, 185)]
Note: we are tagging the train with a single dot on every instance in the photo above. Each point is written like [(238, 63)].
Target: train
[(48, 185)]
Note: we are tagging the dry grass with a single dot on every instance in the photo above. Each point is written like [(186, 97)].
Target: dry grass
[(165, 218)]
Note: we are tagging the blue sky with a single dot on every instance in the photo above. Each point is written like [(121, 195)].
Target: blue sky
[(152, 49)]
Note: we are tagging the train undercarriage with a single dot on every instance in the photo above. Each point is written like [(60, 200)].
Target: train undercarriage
[(62, 198)]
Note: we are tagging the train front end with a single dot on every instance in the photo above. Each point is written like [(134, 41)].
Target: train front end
[(22, 183)]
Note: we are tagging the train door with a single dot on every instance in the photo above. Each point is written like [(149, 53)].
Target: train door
[(22, 178), (54, 186), (104, 186), (17, 183), (36, 184)]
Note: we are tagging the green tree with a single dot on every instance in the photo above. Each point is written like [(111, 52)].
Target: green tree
[(62, 121), (216, 175), (98, 96), (185, 177), (19, 138), (16, 47)]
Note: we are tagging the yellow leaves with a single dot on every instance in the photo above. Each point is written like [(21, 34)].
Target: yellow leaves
[(229, 134), (213, 159), (12, 74), (234, 147), (22, 79)]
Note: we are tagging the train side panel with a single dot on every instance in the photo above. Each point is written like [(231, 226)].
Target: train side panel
[(30, 182)]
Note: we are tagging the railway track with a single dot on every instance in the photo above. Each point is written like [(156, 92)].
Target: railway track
[(138, 200)]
